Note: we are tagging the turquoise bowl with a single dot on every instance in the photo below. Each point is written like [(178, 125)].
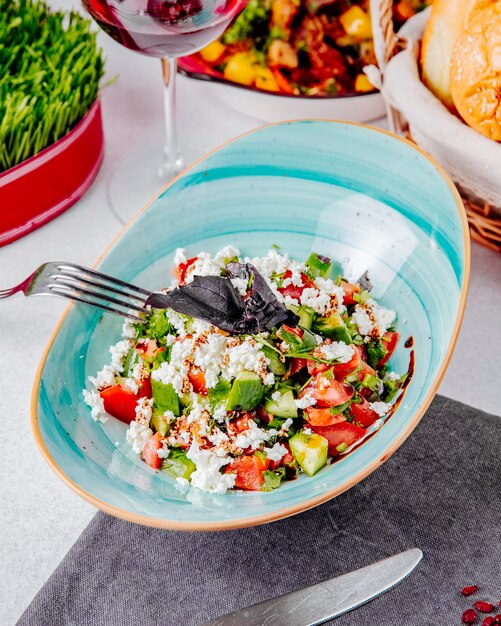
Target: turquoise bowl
[(357, 194)]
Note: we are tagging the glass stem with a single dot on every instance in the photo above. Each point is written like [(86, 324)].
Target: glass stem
[(172, 162)]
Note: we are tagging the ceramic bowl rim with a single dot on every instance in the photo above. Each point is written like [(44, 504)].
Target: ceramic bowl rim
[(303, 505)]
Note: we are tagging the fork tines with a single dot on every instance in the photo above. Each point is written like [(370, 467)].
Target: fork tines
[(91, 287)]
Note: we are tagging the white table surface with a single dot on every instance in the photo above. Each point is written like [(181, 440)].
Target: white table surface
[(40, 518)]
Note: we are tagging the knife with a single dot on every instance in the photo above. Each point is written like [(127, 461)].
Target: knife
[(324, 601)]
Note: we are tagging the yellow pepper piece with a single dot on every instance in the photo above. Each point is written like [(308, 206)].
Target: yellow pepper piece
[(266, 80), (356, 23), (362, 83), (241, 68), (213, 51)]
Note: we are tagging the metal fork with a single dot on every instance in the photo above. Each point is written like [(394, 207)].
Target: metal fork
[(85, 285)]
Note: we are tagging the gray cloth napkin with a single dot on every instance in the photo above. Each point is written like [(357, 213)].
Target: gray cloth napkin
[(441, 492)]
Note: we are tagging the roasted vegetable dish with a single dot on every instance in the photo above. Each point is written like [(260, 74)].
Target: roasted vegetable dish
[(301, 47)]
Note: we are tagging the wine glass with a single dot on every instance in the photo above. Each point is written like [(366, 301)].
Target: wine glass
[(166, 29)]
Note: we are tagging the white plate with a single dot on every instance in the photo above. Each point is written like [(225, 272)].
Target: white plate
[(276, 108)]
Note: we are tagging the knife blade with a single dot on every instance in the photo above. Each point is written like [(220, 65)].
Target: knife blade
[(324, 601)]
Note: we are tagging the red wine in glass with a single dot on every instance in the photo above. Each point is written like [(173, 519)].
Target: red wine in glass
[(162, 28), (166, 29)]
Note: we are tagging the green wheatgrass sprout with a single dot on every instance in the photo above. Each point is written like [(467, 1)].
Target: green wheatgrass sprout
[(50, 70)]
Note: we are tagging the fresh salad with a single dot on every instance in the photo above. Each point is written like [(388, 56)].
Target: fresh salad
[(248, 372), (301, 47)]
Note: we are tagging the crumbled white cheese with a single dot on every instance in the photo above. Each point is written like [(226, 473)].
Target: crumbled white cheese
[(307, 431), (253, 437), (180, 256), (175, 371), (269, 379), (275, 396), (131, 385), (163, 453), (206, 265), (219, 413), (286, 425), (207, 475), (277, 452), (200, 326), (168, 374), (240, 285), (104, 378), (337, 350), (372, 318), (144, 410), (381, 408), (392, 376), (178, 321), (94, 400), (209, 355), (318, 301), (138, 436), (128, 329), (118, 353), (170, 340), (306, 400), (247, 356), (328, 286), (216, 437)]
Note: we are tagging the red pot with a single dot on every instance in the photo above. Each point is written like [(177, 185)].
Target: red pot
[(45, 185)]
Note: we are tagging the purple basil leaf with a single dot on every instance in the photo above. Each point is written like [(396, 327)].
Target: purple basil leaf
[(365, 282), (209, 298), (263, 311), (215, 300)]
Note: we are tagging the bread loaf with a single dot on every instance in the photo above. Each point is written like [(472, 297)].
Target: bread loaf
[(445, 25), (476, 68)]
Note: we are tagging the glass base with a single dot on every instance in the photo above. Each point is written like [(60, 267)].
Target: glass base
[(140, 177)]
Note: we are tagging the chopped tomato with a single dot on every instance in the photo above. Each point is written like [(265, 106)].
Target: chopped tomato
[(263, 415), (342, 370), (295, 331), (241, 423), (282, 82), (149, 454), (120, 402), (330, 392), (148, 348), (296, 366), (322, 417), (295, 291), (145, 388), (197, 380), (287, 460), (362, 413), (364, 370), (337, 434), (315, 368), (349, 290), (182, 269), (390, 341), (249, 472)]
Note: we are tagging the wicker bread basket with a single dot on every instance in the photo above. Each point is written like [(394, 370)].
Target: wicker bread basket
[(473, 161)]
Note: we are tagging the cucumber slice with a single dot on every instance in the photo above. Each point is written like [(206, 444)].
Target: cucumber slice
[(310, 451), (333, 326), (275, 365), (159, 423), (246, 393), (165, 397), (306, 315), (219, 393), (284, 406), (131, 360), (318, 265), (178, 465)]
